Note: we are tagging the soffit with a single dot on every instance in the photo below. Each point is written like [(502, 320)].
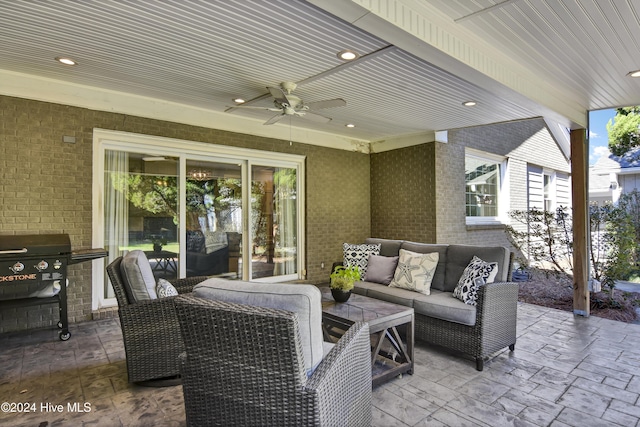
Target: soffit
[(202, 54)]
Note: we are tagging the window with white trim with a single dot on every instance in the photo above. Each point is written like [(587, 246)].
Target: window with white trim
[(549, 190), (484, 183)]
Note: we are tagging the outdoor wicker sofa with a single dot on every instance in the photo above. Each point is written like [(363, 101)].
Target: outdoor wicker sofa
[(150, 330), (254, 364), (477, 330)]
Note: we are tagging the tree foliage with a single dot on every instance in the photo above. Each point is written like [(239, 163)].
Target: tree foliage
[(545, 236), (623, 130)]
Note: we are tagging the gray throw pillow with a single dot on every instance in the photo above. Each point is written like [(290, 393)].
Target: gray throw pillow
[(380, 269)]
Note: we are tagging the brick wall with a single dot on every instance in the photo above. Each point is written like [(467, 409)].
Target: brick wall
[(524, 141), (45, 187), (403, 194)]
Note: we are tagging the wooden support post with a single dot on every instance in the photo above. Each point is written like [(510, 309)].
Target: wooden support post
[(579, 183)]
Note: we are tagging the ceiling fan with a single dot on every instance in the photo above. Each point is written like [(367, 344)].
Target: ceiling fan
[(287, 104)]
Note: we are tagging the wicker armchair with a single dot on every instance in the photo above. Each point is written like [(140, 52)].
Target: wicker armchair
[(150, 330), (244, 366)]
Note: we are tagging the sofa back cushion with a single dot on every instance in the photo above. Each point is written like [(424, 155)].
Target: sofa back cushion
[(459, 256), (304, 300), (438, 281), (387, 247)]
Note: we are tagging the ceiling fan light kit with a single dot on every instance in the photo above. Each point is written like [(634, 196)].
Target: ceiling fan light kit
[(287, 104)]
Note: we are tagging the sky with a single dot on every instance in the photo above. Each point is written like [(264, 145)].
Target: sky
[(598, 137)]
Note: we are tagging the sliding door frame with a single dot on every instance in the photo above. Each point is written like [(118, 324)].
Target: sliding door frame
[(187, 150)]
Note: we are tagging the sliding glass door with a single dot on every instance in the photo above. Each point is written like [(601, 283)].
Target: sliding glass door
[(273, 221), (192, 212), (214, 223), (141, 209)]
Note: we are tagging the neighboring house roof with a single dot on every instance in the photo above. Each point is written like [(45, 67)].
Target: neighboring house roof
[(611, 163), (598, 183)]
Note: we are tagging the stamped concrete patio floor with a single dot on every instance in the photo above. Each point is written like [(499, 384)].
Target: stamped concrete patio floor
[(565, 371)]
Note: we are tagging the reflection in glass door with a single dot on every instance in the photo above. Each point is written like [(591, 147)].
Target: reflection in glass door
[(213, 219), (273, 221), (141, 210)]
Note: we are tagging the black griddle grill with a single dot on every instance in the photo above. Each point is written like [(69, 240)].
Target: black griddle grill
[(33, 271)]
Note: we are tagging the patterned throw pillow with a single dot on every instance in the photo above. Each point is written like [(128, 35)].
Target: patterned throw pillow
[(359, 255), (476, 274), (415, 271), (165, 289)]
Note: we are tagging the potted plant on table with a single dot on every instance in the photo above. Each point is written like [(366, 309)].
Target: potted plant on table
[(342, 280), (158, 243)]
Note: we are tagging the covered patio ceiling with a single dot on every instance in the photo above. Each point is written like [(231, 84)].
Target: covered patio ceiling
[(186, 61)]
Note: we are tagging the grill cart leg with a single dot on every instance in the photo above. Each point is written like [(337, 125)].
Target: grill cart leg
[(63, 324)]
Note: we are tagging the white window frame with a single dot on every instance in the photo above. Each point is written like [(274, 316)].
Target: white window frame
[(131, 142), (552, 189), (503, 188)]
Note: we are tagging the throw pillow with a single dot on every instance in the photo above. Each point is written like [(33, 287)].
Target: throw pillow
[(476, 274), (380, 269), (359, 255), (165, 289), (415, 271)]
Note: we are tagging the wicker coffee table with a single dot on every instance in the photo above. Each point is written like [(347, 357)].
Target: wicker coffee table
[(391, 355)]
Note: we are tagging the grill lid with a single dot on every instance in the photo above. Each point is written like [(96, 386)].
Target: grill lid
[(34, 244)]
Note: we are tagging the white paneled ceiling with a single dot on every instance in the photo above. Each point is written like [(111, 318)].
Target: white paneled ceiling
[(516, 58)]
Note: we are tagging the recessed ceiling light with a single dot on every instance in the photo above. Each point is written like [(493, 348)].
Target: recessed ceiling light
[(469, 103), (239, 100), (348, 55), (635, 73), (350, 125), (66, 61)]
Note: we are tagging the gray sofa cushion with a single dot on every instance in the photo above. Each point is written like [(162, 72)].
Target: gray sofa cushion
[(442, 305), (362, 287), (304, 300), (459, 256), (387, 247), (425, 248), (394, 295), (140, 284)]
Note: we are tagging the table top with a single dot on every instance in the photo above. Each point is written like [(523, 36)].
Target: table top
[(160, 254), (359, 308)]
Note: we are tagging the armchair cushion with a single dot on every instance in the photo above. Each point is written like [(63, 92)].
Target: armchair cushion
[(303, 300), (140, 284)]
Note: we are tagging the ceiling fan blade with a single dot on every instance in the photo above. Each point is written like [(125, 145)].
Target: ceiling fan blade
[(327, 103), (256, 108), (274, 119), (319, 118), (278, 94)]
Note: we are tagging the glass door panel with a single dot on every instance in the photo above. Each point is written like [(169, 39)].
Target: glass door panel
[(213, 219), (141, 209), (273, 221)]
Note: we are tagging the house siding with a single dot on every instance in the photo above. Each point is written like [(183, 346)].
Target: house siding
[(46, 187), (523, 143)]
